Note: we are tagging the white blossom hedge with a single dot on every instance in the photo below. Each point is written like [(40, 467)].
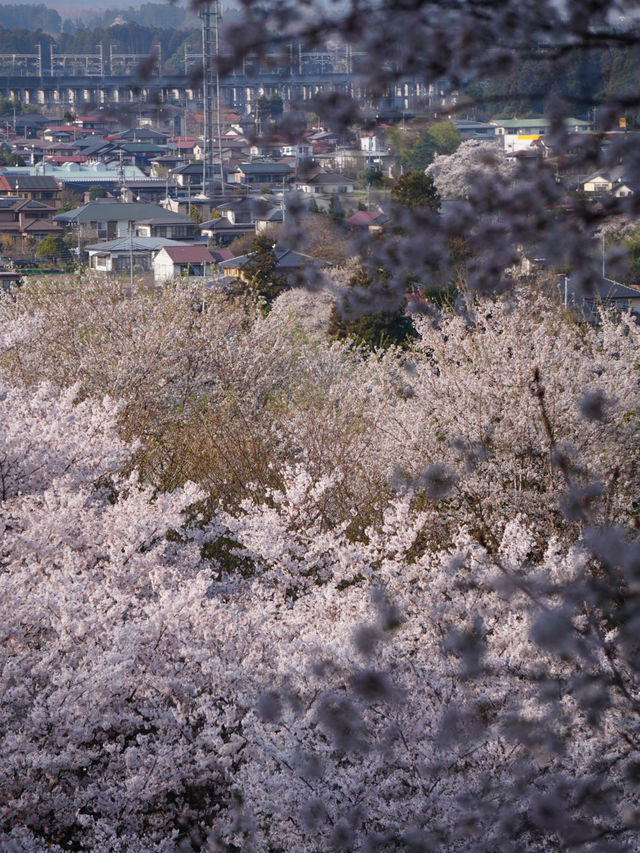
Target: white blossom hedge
[(273, 668)]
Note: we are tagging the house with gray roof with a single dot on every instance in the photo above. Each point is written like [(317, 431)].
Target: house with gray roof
[(261, 174), (114, 256), (326, 183), (110, 219), (607, 294), (289, 263)]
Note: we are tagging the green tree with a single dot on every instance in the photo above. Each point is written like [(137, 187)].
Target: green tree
[(196, 215), (370, 330), (374, 176), (53, 247), (415, 190), (335, 211), (276, 105), (259, 277), (446, 137), (421, 154), (8, 158), (97, 191), (631, 245)]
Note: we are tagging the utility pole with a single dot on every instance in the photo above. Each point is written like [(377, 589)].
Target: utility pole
[(210, 16), (131, 254)]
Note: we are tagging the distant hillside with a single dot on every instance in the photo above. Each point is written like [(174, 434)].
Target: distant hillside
[(72, 14)]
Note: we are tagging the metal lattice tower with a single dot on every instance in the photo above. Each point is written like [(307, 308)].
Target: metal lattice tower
[(210, 15)]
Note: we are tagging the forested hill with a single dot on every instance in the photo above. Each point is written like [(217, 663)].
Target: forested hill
[(37, 16), (584, 80)]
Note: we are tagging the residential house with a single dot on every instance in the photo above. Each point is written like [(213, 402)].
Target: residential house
[(270, 223), (184, 262), (109, 219), (61, 133), (92, 147), (261, 174), (177, 228), (37, 188), (161, 166), (185, 204), (246, 209), (322, 141), (609, 294), (373, 220), (232, 149), (372, 144), (519, 134), (153, 190), (31, 125), (98, 121), (223, 231), (238, 217), (482, 130), (23, 219), (36, 150), (134, 153), (608, 181), (141, 134), (183, 146), (115, 256), (288, 263), (327, 183), (188, 175)]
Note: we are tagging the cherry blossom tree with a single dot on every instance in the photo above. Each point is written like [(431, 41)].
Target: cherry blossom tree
[(454, 174), (272, 676)]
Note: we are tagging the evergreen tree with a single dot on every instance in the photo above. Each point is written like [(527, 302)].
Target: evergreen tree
[(415, 190), (335, 211), (53, 247), (379, 330), (260, 279), (8, 158)]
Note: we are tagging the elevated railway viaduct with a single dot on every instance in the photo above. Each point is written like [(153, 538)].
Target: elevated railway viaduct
[(238, 91)]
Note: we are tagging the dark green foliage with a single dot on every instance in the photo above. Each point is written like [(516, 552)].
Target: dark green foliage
[(261, 281), (276, 105), (378, 330), (335, 211), (421, 154), (415, 190), (97, 191), (53, 247), (580, 78), (38, 17), (8, 158), (415, 150), (374, 176), (631, 275)]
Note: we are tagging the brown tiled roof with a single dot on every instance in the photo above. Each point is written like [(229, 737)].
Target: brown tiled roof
[(41, 225), (189, 254)]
